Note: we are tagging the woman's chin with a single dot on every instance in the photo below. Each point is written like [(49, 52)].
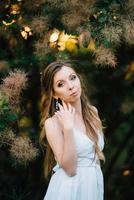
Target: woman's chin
[(74, 99)]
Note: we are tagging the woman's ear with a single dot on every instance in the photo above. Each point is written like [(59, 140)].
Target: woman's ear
[(54, 96)]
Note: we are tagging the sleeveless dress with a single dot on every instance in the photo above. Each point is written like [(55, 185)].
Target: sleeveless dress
[(87, 184)]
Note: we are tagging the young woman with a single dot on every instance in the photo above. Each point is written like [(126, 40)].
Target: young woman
[(73, 130)]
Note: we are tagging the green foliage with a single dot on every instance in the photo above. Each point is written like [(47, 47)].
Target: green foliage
[(106, 13), (107, 88), (3, 103), (6, 115)]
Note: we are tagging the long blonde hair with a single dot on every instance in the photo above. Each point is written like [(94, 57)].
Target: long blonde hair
[(90, 115)]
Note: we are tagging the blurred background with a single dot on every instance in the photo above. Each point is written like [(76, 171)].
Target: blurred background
[(98, 36)]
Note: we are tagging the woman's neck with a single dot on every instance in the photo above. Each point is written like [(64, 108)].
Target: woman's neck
[(78, 107)]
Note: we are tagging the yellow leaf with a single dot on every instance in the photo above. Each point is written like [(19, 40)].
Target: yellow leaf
[(72, 45), (24, 34), (126, 172), (54, 36), (27, 29), (53, 44), (25, 122), (30, 33), (63, 37), (61, 46), (131, 67), (15, 9), (91, 45), (8, 23)]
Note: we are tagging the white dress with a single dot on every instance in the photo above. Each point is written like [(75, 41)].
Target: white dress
[(87, 184)]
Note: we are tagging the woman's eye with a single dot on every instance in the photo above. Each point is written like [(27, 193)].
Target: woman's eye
[(73, 77), (60, 84)]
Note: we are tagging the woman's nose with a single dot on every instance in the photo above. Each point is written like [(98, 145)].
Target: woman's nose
[(70, 86)]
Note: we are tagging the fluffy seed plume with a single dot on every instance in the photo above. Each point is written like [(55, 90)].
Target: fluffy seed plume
[(23, 151), (128, 31), (112, 34), (13, 85), (32, 7), (84, 38), (104, 56), (73, 18), (57, 4), (69, 20), (40, 25), (129, 7), (82, 4), (7, 137), (77, 13), (42, 46)]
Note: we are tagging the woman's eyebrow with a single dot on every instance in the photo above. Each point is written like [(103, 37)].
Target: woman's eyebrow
[(59, 81), (63, 80)]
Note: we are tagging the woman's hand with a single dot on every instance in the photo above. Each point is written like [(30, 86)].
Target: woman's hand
[(66, 115)]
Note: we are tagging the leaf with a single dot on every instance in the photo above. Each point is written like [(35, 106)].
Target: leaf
[(104, 11), (102, 19), (12, 117), (106, 43), (3, 125), (5, 109)]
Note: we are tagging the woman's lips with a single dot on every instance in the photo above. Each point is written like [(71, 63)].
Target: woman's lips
[(74, 93)]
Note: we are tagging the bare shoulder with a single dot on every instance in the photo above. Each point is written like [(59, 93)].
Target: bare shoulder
[(54, 136), (52, 123), (52, 127), (95, 109)]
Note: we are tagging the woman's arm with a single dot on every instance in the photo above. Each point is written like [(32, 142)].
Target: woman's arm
[(63, 146), (69, 156)]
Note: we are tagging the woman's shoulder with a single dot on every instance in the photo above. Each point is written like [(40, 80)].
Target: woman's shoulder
[(94, 108), (52, 122)]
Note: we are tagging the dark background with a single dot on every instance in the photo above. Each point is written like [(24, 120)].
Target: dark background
[(110, 89)]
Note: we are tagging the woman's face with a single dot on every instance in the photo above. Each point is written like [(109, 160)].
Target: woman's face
[(66, 85)]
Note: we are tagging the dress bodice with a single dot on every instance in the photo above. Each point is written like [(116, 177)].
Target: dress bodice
[(84, 144), (85, 148), (86, 155)]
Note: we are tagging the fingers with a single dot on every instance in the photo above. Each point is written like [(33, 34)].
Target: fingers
[(60, 107), (73, 110), (64, 105), (58, 114), (69, 107)]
